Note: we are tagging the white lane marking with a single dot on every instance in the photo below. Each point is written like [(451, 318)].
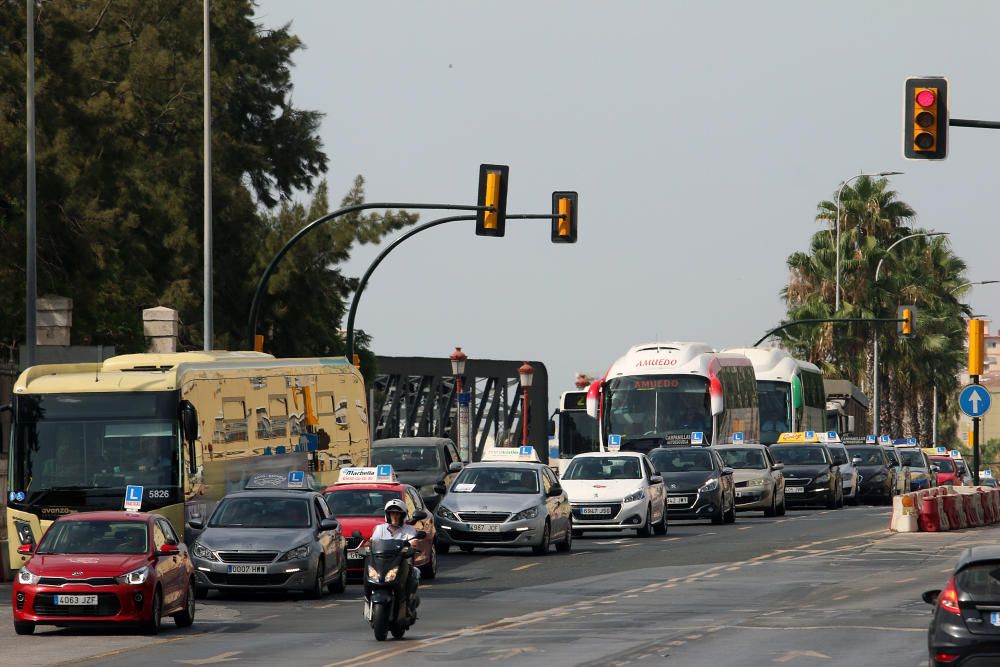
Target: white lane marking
[(228, 656), (791, 655), (266, 618), (580, 553)]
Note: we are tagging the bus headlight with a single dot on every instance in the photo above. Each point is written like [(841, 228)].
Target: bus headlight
[(26, 576)]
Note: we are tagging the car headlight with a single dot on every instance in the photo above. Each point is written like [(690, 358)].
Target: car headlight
[(391, 574), (755, 482), (633, 497), (135, 577), (203, 552), (297, 552), (710, 485), (822, 479), (446, 513), (26, 576), (529, 513)]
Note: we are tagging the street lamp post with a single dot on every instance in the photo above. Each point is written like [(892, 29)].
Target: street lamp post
[(878, 268), (525, 372), (458, 359), (836, 297)]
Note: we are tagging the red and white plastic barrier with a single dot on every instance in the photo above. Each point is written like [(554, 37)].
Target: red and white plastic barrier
[(945, 508)]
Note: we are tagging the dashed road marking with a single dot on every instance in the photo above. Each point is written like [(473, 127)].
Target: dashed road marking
[(525, 567)]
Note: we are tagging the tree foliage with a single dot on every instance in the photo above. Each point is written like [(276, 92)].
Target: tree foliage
[(922, 271), (119, 144)]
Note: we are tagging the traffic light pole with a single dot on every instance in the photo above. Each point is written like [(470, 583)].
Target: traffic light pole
[(987, 124), (349, 351), (824, 320), (975, 440)]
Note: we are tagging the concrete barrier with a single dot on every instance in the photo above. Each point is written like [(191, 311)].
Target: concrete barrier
[(929, 518)]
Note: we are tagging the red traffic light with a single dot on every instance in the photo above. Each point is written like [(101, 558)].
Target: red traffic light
[(926, 98)]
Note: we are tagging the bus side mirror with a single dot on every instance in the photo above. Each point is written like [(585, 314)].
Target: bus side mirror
[(6, 408), (189, 421), (850, 423), (552, 428)]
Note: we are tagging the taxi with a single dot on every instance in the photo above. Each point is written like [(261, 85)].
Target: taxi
[(105, 567), (812, 477), (358, 500), (922, 474)]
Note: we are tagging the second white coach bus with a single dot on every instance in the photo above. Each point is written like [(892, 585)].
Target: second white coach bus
[(790, 394), (673, 393)]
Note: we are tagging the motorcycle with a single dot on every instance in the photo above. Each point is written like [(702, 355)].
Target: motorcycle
[(391, 598)]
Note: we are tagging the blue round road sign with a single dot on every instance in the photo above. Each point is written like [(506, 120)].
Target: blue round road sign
[(975, 400)]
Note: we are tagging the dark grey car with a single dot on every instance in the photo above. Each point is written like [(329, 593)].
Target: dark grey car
[(423, 463), (270, 540)]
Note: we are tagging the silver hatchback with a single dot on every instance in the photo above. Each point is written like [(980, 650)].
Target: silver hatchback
[(505, 505)]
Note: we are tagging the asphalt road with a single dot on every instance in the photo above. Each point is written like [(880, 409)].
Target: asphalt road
[(812, 588)]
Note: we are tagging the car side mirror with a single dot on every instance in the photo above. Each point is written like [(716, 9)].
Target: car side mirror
[(856, 460), (727, 471), (357, 535), (168, 550), (421, 535), (197, 524), (440, 489), (655, 479), (329, 524), (930, 597), (419, 515), (834, 466), (456, 466), (935, 467), (555, 491), (778, 466), (26, 549)]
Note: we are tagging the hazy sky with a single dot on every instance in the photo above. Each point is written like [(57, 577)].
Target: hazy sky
[(700, 136)]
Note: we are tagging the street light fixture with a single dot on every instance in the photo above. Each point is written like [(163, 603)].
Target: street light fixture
[(458, 359), (525, 372), (878, 268), (977, 282), (836, 297)]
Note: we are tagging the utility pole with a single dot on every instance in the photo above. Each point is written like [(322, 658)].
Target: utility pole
[(31, 279), (209, 334)]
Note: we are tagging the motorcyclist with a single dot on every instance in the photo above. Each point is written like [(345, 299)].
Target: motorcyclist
[(396, 528)]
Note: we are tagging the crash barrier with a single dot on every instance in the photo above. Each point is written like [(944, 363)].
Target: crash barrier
[(945, 508)]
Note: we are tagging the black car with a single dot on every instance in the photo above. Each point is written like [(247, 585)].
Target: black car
[(876, 474), (965, 629), (427, 464), (811, 476), (699, 485)]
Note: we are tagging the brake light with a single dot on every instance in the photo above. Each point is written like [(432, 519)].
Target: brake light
[(948, 599), (946, 657)]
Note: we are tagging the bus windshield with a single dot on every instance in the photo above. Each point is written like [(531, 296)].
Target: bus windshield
[(80, 451), (774, 400), (577, 433), (652, 407)]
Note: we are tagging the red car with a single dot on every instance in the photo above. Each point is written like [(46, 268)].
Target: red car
[(105, 567), (359, 507), (945, 470)]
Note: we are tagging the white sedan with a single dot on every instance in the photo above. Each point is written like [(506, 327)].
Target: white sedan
[(615, 491)]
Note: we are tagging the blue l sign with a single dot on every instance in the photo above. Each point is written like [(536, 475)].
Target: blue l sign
[(975, 400), (133, 494)]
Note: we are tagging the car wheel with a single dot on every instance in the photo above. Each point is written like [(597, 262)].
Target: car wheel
[(316, 592), (773, 509), (661, 526), (567, 544), (24, 627), (647, 525), (542, 549), (782, 508), (831, 503), (730, 516), (429, 571), (152, 626), (840, 497), (339, 585), (201, 593), (719, 517), (467, 550), (186, 617)]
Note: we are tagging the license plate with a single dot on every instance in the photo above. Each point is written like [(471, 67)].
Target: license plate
[(356, 555), (795, 489), (680, 500), (995, 618), (247, 569), (485, 527), (76, 600), (595, 510)]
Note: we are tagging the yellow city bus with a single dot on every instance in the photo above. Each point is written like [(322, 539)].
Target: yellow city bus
[(186, 427)]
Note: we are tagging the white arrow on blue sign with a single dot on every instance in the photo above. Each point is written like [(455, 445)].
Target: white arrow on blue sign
[(975, 400)]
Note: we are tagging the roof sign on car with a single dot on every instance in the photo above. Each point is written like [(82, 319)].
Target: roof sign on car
[(697, 437), (296, 479), (738, 438), (383, 474), (955, 454), (614, 442), (133, 498), (810, 436), (986, 473), (521, 453), (870, 439), (885, 440)]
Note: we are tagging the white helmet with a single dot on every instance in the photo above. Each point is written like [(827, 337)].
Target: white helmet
[(395, 505)]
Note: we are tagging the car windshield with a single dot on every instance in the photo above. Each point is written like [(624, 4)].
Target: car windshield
[(681, 460), (981, 581), (744, 459), (359, 502), (496, 480), (799, 456), (604, 467), (656, 406), (944, 465), (839, 455), (912, 458), (775, 405), (95, 537), (870, 456), (261, 512), (407, 458)]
